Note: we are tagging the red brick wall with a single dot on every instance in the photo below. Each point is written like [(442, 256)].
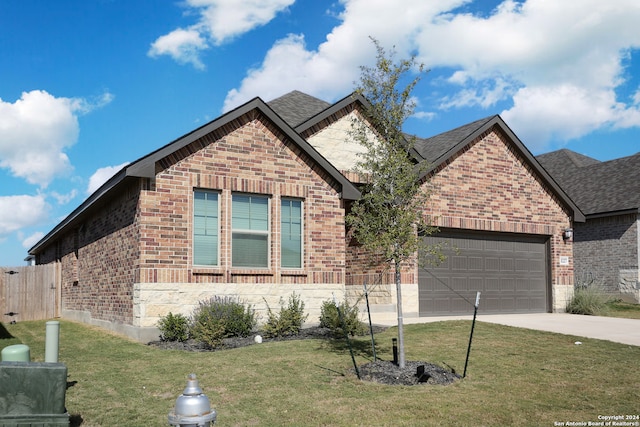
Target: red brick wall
[(246, 156), (144, 233), (489, 187), (99, 259)]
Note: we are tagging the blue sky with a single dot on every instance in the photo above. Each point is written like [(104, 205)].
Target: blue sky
[(89, 85)]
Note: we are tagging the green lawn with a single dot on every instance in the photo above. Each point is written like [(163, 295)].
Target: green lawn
[(619, 308), (515, 377)]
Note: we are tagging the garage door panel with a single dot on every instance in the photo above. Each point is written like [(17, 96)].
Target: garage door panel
[(492, 264), (492, 284), (475, 263), (459, 263), (509, 270), (494, 304), (506, 264)]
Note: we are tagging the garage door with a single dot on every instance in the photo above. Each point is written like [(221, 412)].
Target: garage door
[(511, 272)]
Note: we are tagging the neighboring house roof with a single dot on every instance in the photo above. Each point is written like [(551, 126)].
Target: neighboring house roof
[(598, 188), (145, 167), (440, 148)]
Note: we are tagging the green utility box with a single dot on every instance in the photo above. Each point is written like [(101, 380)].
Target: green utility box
[(33, 394), (16, 353)]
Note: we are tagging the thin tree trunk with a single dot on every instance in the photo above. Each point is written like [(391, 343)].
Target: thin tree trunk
[(401, 361)]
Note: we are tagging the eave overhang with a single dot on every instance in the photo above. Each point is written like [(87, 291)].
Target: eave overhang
[(145, 167)]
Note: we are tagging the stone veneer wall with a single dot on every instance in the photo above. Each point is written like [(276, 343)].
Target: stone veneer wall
[(606, 251), (335, 143)]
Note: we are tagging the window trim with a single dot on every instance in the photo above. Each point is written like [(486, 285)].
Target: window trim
[(302, 233), (218, 231), (250, 232)]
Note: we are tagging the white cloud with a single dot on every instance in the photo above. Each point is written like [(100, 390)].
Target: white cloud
[(330, 70), (17, 212), (560, 112), (183, 46), (556, 61), (36, 130), (63, 199), (102, 175), (220, 21), (31, 240), (424, 115), (287, 66), (225, 19)]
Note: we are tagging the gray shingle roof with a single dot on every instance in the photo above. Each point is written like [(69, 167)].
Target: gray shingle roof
[(145, 167), (296, 107), (596, 187), (300, 111), (434, 148)]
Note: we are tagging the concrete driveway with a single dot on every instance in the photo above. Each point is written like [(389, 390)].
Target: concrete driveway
[(625, 331)]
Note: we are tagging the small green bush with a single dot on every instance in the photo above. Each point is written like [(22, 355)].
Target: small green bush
[(589, 300), (174, 327), (330, 318), (221, 317), (288, 321)]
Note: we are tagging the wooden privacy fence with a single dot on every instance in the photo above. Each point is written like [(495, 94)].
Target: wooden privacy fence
[(30, 292)]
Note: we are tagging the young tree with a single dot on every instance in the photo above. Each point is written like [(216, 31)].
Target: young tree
[(389, 220)]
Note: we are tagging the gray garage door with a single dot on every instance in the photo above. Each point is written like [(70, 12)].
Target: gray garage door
[(510, 271)]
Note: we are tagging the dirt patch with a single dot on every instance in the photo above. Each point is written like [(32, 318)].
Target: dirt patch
[(380, 371)]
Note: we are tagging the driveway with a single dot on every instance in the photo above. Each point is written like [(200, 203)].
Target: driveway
[(625, 331)]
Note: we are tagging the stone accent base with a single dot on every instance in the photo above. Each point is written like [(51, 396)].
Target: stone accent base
[(561, 295), (154, 300)]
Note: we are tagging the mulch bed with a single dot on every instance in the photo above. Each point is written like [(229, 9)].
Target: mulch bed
[(380, 371)]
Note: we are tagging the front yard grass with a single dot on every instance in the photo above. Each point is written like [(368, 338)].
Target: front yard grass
[(515, 377), (618, 308)]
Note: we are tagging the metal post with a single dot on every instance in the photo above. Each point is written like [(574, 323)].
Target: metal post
[(394, 345), (52, 340), (373, 343), (473, 324)]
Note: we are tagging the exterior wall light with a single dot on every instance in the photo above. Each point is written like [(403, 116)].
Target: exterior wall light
[(567, 234)]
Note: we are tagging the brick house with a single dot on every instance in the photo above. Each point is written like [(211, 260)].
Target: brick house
[(252, 205), (606, 245)]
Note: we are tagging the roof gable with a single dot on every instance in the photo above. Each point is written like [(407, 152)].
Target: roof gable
[(435, 150), (145, 167), (439, 149)]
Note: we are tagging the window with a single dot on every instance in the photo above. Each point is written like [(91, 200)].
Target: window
[(291, 235), (250, 231), (205, 228)]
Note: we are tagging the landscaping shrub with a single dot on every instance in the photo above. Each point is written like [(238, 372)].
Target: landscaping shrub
[(174, 327), (588, 298), (288, 321), (219, 318), (329, 318)]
